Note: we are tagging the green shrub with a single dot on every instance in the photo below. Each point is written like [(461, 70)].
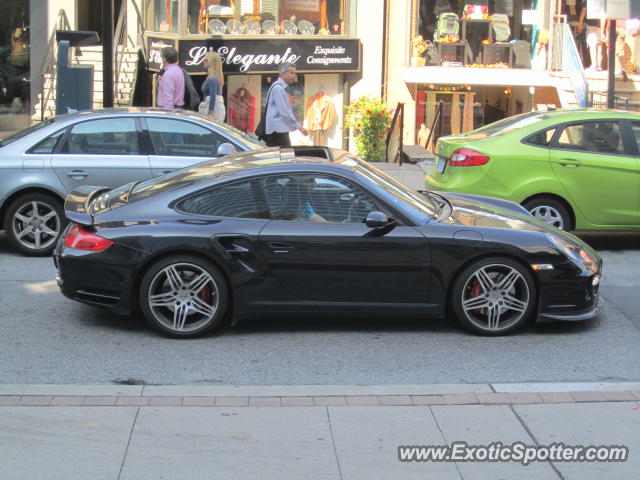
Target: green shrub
[(369, 121)]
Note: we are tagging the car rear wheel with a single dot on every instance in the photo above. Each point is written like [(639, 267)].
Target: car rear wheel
[(184, 296), (550, 211), (494, 296), (34, 223)]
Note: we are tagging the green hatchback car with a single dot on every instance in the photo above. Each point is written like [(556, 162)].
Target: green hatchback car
[(573, 169)]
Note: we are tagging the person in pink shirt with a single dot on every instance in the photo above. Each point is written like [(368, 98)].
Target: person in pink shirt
[(171, 88)]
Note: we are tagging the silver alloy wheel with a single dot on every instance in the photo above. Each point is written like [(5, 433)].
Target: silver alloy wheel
[(495, 297), (36, 225), (548, 215), (183, 297)]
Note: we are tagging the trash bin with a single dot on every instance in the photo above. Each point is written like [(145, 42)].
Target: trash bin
[(74, 84)]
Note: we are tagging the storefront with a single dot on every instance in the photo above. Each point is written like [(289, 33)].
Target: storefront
[(253, 38), (14, 57)]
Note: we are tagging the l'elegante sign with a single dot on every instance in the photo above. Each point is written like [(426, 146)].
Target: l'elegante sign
[(264, 56)]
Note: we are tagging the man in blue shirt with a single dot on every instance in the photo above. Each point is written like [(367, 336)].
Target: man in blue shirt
[(280, 119)]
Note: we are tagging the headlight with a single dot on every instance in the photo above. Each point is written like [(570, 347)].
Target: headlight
[(574, 252)]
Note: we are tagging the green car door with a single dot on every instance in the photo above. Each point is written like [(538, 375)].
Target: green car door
[(599, 170)]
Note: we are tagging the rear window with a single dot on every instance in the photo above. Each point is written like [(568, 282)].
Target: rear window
[(175, 180), (25, 132), (510, 124)]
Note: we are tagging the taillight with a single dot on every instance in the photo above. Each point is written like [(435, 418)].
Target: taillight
[(82, 239), (465, 157)]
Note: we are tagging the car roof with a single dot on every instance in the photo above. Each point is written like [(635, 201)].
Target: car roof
[(264, 161)]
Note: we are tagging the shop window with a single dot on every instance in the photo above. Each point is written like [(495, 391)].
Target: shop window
[(14, 58), (271, 17)]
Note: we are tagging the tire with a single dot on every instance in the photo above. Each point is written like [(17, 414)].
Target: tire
[(494, 296), (550, 211), (173, 305), (34, 223)]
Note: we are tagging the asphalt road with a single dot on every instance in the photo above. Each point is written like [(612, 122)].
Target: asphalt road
[(47, 338)]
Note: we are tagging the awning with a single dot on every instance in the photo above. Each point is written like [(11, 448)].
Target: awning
[(511, 77)]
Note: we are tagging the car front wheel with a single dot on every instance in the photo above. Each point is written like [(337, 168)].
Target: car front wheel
[(494, 296), (34, 222), (550, 211), (184, 296)]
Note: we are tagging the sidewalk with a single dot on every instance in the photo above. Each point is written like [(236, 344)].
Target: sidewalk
[(306, 432), (411, 174)]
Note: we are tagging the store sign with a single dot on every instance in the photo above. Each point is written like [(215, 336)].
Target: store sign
[(154, 49), (303, 5), (323, 54)]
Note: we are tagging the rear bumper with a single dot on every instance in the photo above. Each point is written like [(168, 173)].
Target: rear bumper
[(101, 279)]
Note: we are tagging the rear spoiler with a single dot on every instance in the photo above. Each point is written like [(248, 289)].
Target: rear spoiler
[(76, 205)]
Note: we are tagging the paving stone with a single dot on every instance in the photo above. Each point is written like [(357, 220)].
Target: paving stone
[(232, 401), (9, 400), (297, 401), (35, 400), (63, 401), (100, 400), (428, 399), (460, 399), (264, 401), (165, 401), (329, 401), (363, 400), (493, 398), (556, 397), (525, 398), (198, 401), (132, 401), (395, 400), (618, 396), (636, 393), (587, 396)]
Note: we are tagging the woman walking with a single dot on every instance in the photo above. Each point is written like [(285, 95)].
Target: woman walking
[(212, 86)]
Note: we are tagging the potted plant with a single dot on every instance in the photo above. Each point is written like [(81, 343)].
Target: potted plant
[(369, 121), (418, 49)]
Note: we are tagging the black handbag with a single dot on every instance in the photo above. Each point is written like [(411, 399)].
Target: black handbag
[(261, 128)]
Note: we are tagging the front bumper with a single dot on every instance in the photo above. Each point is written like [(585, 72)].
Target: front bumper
[(587, 314)]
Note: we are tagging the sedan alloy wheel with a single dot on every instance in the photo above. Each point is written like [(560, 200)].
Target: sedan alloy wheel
[(183, 296), (34, 224), (494, 296)]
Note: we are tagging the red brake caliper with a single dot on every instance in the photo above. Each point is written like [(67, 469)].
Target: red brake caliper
[(205, 293), (475, 291)]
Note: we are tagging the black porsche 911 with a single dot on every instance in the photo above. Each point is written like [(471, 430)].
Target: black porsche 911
[(309, 230)]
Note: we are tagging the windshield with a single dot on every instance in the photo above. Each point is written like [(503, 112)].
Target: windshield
[(509, 124), (25, 132), (401, 197)]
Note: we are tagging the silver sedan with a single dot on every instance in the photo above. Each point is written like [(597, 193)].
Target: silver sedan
[(40, 165)]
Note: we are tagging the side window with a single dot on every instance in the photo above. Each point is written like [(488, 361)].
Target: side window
[(175, 137), (109, 136), (594, 137), (239, 200), (635, 126), (309, 197), (542, 139), (48, 145)]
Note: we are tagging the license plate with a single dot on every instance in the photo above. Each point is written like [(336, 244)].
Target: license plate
[(440, 166)]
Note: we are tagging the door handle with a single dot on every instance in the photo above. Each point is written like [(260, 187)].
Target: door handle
[(280, 247), (77, 174), (569, 162)]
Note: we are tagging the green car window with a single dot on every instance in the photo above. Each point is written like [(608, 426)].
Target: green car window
[(636, 132), (542, 139), (595, 137)]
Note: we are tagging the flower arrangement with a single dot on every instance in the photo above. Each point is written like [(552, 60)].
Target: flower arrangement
[(369, 120), (418, 46)]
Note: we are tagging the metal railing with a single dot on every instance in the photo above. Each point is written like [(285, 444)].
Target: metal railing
[(599, 100), (437, 119), (393, 142), (49, 63)]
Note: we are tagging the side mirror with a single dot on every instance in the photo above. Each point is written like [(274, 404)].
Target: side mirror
[(378, 220), (226, 149)]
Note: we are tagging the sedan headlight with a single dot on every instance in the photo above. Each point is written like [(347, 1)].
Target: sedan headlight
[(578, 255)]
